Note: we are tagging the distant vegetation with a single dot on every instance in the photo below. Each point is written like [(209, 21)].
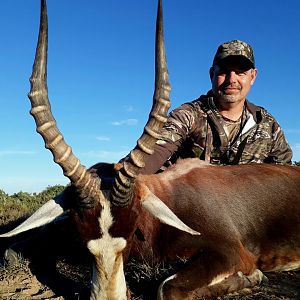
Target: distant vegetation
[(22, 204)]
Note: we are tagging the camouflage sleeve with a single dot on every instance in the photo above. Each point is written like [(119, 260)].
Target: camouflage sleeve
[(180, 123), (158, 158), (281, 152)]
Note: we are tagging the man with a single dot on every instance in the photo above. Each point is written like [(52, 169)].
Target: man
[(223, 127)]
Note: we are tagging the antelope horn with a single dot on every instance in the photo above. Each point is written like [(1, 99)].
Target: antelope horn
[(121, 192), (87, 186)]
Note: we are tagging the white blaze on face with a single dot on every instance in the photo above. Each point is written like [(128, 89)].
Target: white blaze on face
[(108, 282)]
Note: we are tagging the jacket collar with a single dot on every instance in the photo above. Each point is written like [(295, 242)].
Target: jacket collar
[(252, 108)]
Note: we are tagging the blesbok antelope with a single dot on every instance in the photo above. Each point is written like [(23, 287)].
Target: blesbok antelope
[(248, 216)]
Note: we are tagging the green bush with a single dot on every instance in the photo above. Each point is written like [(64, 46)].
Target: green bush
[(3, 197), (22, 204)]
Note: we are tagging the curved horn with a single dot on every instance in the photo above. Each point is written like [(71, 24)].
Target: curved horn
[(86, 185), (51, 210), (121, 192)]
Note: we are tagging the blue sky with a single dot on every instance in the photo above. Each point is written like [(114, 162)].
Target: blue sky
[(101, 72)]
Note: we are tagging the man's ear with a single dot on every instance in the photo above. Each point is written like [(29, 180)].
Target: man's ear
[(253, 75)]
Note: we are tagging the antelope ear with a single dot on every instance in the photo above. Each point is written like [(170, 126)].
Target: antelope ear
[(44, 215), (162, 212)]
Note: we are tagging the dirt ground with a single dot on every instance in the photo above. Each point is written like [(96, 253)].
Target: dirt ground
[(59, 267), (70, 282)]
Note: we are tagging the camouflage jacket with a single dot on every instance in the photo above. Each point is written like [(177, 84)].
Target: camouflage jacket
[(196, 129)]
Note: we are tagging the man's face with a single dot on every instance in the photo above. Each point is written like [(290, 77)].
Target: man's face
[(232, 80)]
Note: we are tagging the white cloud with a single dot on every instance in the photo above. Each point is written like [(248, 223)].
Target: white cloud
[(16, 152), (128, 108), (107, 156), (103, 138), (128, 122)]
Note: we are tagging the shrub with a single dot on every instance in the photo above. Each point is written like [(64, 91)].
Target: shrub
[(22, 204)]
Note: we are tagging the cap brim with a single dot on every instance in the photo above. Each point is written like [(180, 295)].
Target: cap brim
[(240, 61)]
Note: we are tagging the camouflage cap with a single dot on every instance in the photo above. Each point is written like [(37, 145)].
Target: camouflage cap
[(233, 48)]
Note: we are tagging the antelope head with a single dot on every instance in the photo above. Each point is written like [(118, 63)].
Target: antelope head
[(86, 196), (93, 216)]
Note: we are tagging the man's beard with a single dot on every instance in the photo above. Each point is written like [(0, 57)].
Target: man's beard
[(228, 98)]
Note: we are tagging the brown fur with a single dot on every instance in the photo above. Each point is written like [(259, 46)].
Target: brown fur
[(85, 220), (248, 217)]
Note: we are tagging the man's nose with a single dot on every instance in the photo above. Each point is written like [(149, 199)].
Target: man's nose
[(231, 77)]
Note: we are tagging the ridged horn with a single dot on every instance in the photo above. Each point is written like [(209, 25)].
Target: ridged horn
[(87, 186), (121, 192)]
